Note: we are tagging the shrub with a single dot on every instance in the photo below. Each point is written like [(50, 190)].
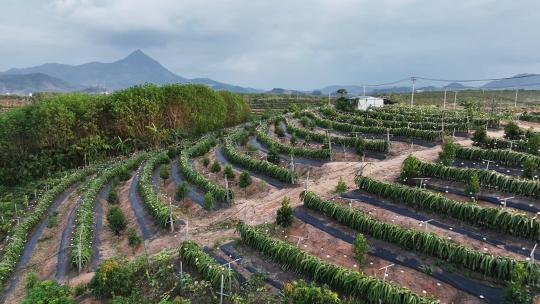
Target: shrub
[(165, 172), (244, 180), (360, 248), (273, 156), (133, 239), (284, 215), (208, 201), (48, 291), (360, 147), (181, 191), (410, 168), (533, 145), (112, 277), (448, 153), (517, 291), (341, 186), (480, 135), (123, 174), (280, 132), (228, 172), (117, 220), (112, 197), (307, 139), (300, 292), (304, 121), (473, 185), (530, 168), (205, 161), (293, 139), (216, 167), (512, 131)]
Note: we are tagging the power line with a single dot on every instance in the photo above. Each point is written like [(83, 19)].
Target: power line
[(477, 80)]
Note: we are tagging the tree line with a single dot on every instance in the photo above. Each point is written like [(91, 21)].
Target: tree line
[(70, 130)]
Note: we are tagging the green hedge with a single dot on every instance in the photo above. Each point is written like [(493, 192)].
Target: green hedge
[(84, 218), (200, 148), (349, 282), (17, 240), (160, 211), (262, 135), (502, 156), (249, 163), (498, 267)]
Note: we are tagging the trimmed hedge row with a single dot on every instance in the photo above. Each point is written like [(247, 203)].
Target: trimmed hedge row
[(381, 146), (503, 156), (249, 163), (431, 244), (17, 241), (497, 219), (349, 282), (262, 135), (200, 148), (84, 219), (159, 211)]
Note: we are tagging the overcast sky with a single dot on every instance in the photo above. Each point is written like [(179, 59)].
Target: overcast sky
[(301, 44)]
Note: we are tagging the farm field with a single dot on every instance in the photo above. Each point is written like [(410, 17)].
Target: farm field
[(389, 205)]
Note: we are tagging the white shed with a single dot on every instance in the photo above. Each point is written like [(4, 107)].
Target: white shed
[(364, 102)]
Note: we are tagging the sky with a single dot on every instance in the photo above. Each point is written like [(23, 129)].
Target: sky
[(299, 44)]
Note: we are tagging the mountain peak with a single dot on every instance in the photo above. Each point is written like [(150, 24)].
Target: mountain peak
[(138, 56)]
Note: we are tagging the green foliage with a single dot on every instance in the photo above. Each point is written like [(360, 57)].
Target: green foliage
[(360, 248), (205, 161), (480, 135), (244, 180), (249, 163), (15, 245), (498, 267), (300, 292), (273, 155), (216, 167), (497, 219), (112, 277), (409, 169), (193, 255), (533, 146), (165, 172), (181, 191), (341, 186), (228, 172), (512, 131), (159, 210), (84, 219), (65, 130), (208, 201), (284, 216), (348, 282), (276, 146), (293, 139), (112, 197), (49, 292), (448, 153), (517, 290), (304, 121), (200, 148), (123, 174), (530, 168), (116, 219), (280, 132), (502, 156), (133, 238)]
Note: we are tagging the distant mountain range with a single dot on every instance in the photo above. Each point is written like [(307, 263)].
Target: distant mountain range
[(136, 68), (139, 68)]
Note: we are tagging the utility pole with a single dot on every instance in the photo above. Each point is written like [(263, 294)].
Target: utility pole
[(227, 188), (412, 93), (292, 168), (79, 250), (515, 99), (364, 91), (170, 215), (532, 253), (455, 99), (306, 186), (186, 234), (444, 101), (329, 144)]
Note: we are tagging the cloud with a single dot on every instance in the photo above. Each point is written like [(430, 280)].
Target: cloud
[(293, 44)]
